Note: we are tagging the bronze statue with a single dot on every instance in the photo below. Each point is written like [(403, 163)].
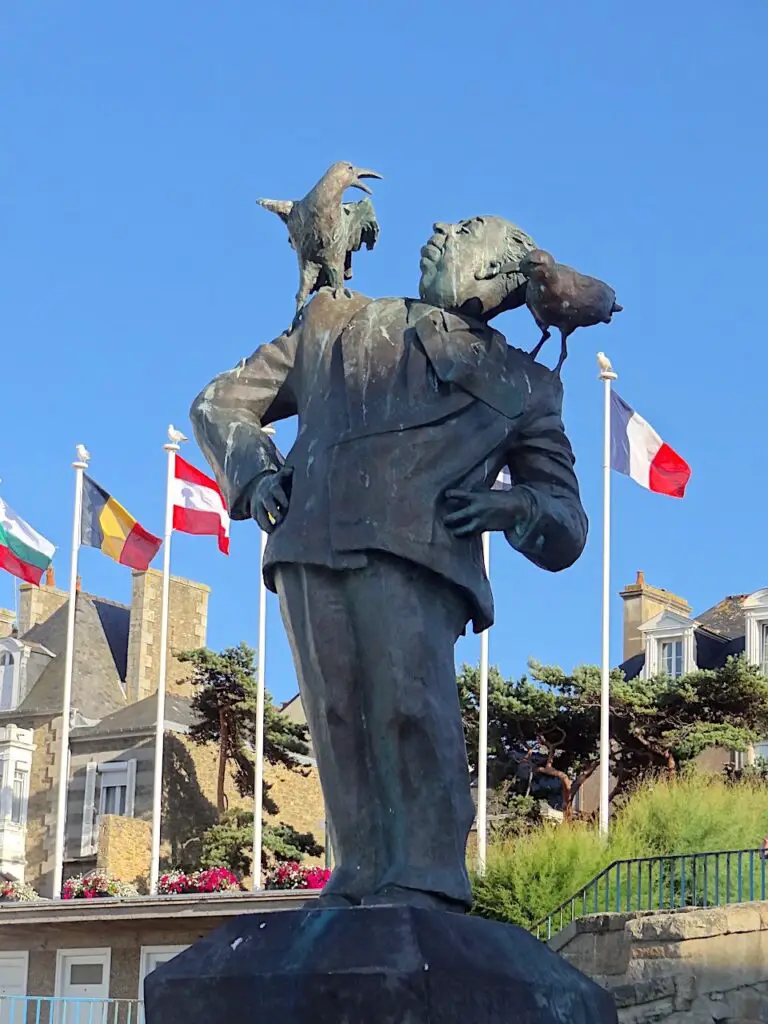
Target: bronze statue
[(559, 296), (408, 410), (324, 231)]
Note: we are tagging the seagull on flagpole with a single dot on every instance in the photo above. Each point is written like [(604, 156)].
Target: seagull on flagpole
[(176, 435), (604, 362), (82, 453)]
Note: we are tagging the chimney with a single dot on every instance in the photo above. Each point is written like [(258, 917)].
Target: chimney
[(7, 622), (187, 630), (78, 584), (641, 603), (37, 604)]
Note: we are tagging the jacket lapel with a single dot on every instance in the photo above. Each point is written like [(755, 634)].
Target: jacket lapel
[(473, 360)]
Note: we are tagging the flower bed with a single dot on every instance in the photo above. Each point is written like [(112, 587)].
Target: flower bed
[(293, 875), (207, 880), (96, 885), (17, 892)]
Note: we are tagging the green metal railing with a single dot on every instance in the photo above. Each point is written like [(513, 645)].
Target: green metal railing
[(665, 883)]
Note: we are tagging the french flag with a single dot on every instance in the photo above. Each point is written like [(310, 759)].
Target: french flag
[(639, 452), (198, 504)]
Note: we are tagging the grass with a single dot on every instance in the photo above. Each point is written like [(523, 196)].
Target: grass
[(527, 877)]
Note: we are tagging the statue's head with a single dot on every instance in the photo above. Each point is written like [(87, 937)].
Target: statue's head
[(472, 266)]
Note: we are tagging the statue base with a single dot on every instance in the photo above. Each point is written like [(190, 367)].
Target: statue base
[(378, 965)]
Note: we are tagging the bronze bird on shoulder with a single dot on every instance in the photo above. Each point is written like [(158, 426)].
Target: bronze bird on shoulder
[(324, 231), (559, 296)]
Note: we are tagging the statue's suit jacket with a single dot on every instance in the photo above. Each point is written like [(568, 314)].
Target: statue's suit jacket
[(397, 402)]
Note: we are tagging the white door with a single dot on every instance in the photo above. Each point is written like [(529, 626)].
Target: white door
[(152, 957), (13, 987), (82, 980)]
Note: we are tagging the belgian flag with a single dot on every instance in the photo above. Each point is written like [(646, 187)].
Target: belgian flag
[(106, 525)]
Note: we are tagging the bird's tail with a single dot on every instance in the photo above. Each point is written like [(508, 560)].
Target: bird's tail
[(617, 308), (282, 207)]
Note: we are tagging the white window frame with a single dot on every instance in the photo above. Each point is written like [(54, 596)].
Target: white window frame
[(15, 649), (663, 661), (12, 767), (661, 629), (150, 951), (126, 769)]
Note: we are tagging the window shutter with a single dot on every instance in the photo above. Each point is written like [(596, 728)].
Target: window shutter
[(88, 836), (130, 788)]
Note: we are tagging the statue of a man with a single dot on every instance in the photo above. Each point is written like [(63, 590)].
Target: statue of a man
[(408, 410)]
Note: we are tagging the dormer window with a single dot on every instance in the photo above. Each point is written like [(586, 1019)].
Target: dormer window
[(671, 660), (670, 645), (7, 679)]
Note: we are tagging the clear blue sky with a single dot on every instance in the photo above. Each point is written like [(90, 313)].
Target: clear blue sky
[(134, 265)]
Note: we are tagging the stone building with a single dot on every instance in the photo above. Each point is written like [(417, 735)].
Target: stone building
[(111, 760)]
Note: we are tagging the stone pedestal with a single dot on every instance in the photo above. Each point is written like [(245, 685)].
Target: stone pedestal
[(378, 965)]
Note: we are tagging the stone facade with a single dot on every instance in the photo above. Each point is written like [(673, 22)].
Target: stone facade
[(7, 622), (41, 809), (691, 966), (187, 629)]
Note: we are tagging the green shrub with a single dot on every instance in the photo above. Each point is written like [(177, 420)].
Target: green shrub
[(528, 876)]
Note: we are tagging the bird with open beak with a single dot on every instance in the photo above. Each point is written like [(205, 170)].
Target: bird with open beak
[(325, 231)]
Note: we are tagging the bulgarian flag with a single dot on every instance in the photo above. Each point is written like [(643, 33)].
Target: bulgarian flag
[(198, 504), (639, 452), (24, 552)]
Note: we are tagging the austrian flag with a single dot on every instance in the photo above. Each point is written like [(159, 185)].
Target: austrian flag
[(198, 504), (639, 452)]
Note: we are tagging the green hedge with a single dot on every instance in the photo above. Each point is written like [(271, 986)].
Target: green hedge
[(529, 876)]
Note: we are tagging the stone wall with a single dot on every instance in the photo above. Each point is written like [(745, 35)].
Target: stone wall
[(187, 629), (7, 622), (691, 966), (41, 810), (124, 849)]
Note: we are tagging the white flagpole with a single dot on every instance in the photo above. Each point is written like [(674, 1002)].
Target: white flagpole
[(482, 734), (606, 375), (157, 789), (69, 660), (258, 754)]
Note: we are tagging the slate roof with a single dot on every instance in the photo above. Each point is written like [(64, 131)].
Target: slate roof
[(96, 678), (726, 617), (140, 717)]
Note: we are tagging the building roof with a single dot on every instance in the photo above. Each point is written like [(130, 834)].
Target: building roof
[(140, 717), (96, 678), (726, 617)]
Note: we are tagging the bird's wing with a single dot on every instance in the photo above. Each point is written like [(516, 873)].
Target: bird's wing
[(282, 207), (362, 229)]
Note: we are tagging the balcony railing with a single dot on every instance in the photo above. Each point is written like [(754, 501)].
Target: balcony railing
[(665, 883), (69, 1010)]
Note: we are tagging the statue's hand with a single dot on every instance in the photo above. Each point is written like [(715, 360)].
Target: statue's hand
[(480, 511), (268, 498)]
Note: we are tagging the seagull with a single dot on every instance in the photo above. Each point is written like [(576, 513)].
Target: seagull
[(604, 362), (176, 435), (82, 453)]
